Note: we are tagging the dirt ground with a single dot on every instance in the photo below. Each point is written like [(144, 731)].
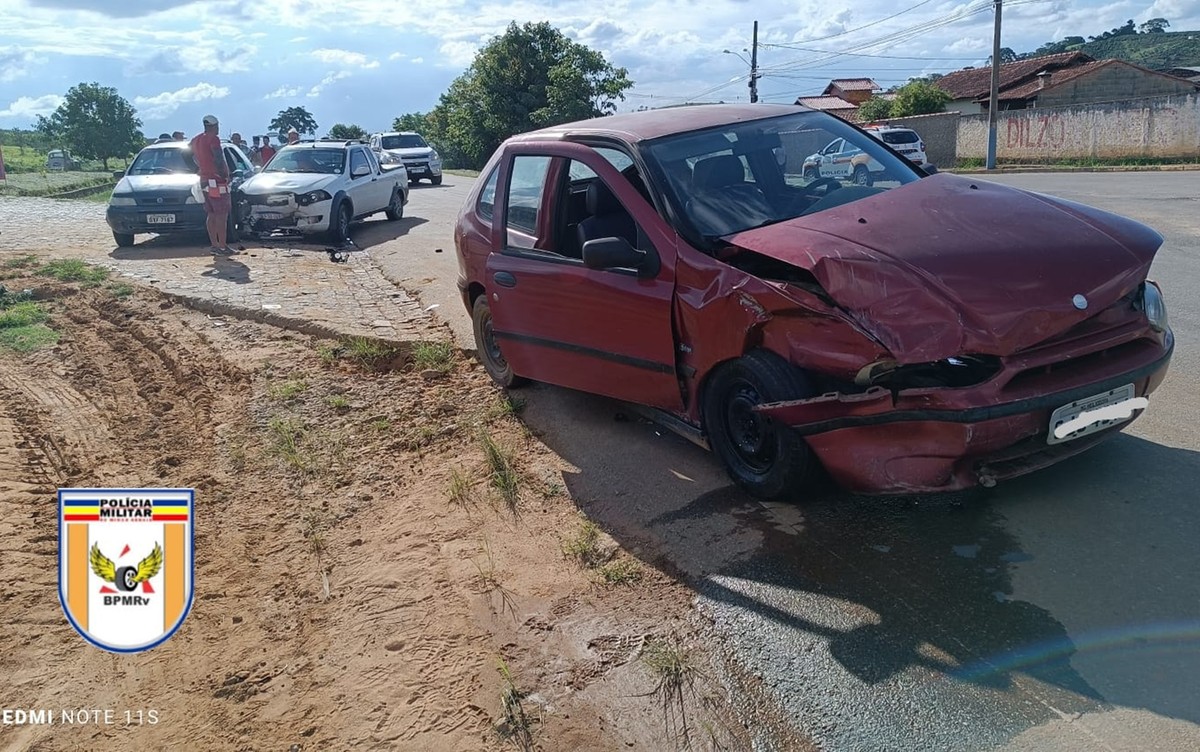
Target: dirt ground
[(361, 583)]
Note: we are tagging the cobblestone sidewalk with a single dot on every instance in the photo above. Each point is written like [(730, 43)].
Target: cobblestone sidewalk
[(295, 286)]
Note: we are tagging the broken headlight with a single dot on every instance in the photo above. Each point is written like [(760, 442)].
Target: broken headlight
[(1152, 304), (964, 370)]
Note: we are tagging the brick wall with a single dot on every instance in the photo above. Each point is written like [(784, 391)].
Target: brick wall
[(1113, 83), (1163, 127), (939, 132)]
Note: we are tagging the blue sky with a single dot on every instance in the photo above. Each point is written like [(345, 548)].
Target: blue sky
[(367, 61)]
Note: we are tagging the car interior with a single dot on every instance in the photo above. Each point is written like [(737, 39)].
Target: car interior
[(592, 211)]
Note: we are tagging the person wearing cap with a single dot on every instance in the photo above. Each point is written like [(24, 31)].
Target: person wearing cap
[(214, 183), (163, 138), (178, 136), (293, 136)]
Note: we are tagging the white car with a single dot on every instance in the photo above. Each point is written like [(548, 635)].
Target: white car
[(842, 159), (321, 187), (420, 159), (905, 141)]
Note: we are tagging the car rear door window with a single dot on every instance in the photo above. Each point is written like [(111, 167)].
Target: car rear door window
[(357, 159), (525, 187)]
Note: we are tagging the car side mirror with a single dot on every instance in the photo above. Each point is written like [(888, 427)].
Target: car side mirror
[(360, 171), (930, 169), (239, 174), (617, 253)]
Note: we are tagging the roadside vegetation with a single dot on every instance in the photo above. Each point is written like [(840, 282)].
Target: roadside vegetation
[(23, 326)]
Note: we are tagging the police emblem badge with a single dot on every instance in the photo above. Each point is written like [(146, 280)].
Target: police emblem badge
[(125, 563)]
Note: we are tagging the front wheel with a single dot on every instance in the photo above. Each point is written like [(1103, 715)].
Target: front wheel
[(862, 176), (339, 228), (488, 348), (436, 180), (767, 459)]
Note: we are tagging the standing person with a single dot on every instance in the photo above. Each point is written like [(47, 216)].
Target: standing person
[(255, 155), (293, 136), (178, 136), (236, 140), (214, 182), (267, 151)]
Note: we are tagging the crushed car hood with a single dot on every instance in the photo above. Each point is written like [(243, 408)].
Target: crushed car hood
[(289, 182), (948, 265), (172, 183)]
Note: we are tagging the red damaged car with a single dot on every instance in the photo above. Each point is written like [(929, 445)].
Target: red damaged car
[(924, 333)]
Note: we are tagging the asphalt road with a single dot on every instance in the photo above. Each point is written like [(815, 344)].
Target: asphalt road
[(1056, 612)]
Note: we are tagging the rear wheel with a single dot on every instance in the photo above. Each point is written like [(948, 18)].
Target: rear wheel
[(395, 208), (862, 176), (436, 180), (123, 240), (767, 459), (488, 348)]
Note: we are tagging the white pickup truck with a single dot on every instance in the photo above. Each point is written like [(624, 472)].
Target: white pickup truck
[(320, 187)]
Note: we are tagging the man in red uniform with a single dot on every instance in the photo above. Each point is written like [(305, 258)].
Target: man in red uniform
[(267, 151), (214, 183)]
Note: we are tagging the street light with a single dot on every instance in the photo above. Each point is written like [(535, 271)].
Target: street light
[(739, 57), (753, 63)]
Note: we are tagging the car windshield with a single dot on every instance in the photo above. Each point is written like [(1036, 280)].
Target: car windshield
[(308, 159), (163, 162), (900, 137), (403, 141), (743, 175)]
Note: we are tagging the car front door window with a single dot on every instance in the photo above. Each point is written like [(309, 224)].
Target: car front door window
[(526, 185)]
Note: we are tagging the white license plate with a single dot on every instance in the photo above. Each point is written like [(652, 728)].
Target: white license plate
[(1087, 416), (160, 219), (269, 215)]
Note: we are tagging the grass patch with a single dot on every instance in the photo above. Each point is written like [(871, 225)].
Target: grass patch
[(73, 270), (489, 581), (461, 489), (506, 406), (328, 354), (621, 572), (338, 401), (584, 546), (381, 424), (367, 352), (22, 314), (515, 724), (20, 262), (502, 470), (121, 289), (288, 435), (437, 356), (25, 339), (675, 674), (287, 390)]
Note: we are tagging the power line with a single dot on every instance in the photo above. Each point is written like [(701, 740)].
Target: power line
[(857, 28), (865, 54)]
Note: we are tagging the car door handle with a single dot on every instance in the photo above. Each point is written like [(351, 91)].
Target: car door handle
[(504, 279)]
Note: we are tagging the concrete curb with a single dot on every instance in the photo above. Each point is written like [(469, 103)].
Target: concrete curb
[(1017, 169), (302, 326)]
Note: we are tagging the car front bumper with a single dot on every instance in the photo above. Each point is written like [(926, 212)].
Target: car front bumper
[(289, 217), (131, 220), (934, 440), (423, 169)]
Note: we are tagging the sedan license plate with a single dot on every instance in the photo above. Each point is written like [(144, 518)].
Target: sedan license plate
[(269, 215), (1087, 416), (160, 219)]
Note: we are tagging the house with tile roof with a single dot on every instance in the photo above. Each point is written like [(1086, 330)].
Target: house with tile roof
[(853, 90), (1068, 78)]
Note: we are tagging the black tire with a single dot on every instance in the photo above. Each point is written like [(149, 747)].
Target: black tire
[(395, 208), (123, 240), (488, 349), (231, 229), (124, 581), (414, 181), (437, 180), (811, 173), (862, 176), (339, 223), (766, 459)]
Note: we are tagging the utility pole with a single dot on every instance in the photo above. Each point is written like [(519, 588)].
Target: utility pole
[(754, 66), (994, 99)]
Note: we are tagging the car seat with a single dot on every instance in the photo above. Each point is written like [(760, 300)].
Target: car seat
[(722, 201), (608, 219)]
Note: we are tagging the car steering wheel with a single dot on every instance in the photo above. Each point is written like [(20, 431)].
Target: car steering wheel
[(831, 185)]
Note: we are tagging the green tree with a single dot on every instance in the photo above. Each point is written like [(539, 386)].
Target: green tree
[(294, 117), (1007, 55), (919, 98), (875, 108), (411, 121), (343, 131), (94, 122), (1154, 26), (530, 77)]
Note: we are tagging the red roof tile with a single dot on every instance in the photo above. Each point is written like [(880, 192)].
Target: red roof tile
[(1063, 75), (853, 84), (977, 82), (826, 103)]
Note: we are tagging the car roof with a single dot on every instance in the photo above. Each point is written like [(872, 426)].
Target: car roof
[(398, 133), (649, 124)]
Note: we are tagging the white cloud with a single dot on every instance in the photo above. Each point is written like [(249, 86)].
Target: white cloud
[(30, 107), (345, 58), (417, 60), (285, 91), (297, 40), (329, 79), (17, 63), (969, 45), (397, 56), (162, 105), (458, 54)]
